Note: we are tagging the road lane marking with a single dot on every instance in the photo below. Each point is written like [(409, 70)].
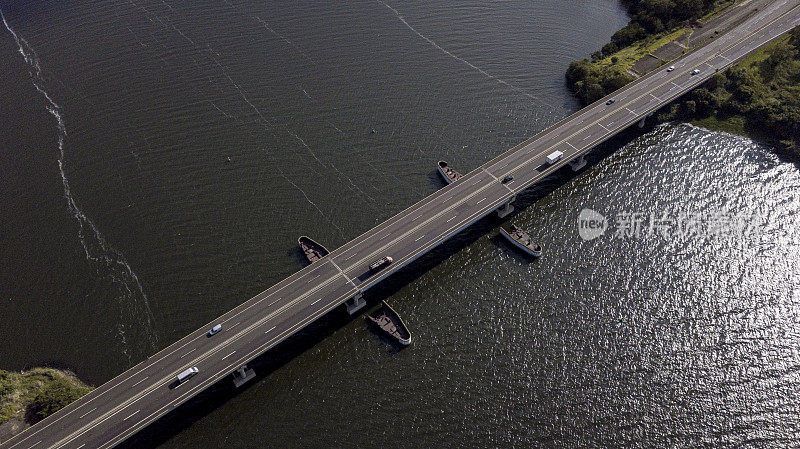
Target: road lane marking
[(270, 329), (342, 273), (232, 353), (90, 411), (450, 219), (137, 383), (629, 110), (184, 355), (423, 235), (34, 444), (125, 418), (349, 257), (484, 199), (416, 218)]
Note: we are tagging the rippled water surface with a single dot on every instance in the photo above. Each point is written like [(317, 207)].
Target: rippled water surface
[(158, 160)]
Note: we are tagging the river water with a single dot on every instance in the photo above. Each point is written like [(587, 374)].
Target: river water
[(158, 160)]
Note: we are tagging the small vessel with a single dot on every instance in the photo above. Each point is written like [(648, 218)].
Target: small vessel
[(387, 320), (311, 249), (522, 240), (450, 176)]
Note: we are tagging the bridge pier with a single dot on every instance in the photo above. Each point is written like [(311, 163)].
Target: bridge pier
[(577, 163), (641, 122), (506, 208), (355, 303), (243, 375)]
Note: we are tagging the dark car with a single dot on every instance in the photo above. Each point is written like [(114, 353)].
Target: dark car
[(611, 101), (508, 179)]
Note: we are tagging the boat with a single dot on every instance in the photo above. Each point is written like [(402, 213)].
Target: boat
[(311, 249), (450, 176), (522, 240), (388, 321)]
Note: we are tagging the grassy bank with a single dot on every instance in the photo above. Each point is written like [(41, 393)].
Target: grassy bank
[(30, 396), (654, 24), (758, 97)]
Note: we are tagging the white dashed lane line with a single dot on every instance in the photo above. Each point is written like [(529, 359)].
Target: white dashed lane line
[(137, 383), (90, 411)]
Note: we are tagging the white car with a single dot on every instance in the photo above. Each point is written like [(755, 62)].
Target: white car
[(695, 72), (671, 68)]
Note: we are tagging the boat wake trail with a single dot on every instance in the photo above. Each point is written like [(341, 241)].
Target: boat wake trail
[(464, 61), (136, 318)]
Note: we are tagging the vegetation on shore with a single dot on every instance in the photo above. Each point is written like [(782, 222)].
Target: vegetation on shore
[(654, 23), (759, 96), (30, 396)]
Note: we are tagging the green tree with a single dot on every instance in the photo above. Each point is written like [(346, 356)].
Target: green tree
[(53, 397)]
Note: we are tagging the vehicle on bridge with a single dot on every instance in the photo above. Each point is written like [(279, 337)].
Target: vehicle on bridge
[(554, 157), (380, 263), (184, 376), (508, 179), (610, 101), (214, 330), (695, 72)]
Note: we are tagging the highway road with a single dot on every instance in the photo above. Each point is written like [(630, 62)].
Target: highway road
[(142, 394)]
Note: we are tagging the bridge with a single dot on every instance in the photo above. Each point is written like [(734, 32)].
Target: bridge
[(145, 392)]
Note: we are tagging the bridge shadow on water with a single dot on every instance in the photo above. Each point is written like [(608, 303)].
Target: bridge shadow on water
[(219, 393)]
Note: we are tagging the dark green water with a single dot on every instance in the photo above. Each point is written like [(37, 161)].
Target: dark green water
[(124, 226)]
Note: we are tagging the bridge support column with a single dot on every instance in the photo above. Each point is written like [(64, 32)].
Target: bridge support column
[(355, 303), (506, 208), (577, 163), (641, 122), (243, 375)]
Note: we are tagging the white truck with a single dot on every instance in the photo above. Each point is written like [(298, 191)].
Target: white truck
[(554, 157), (185, 375)]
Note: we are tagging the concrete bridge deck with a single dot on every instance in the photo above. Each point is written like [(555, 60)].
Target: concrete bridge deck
[(142, 394)]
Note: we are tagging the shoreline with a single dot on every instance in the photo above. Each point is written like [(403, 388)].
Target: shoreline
[(757, 98), (28, 396)]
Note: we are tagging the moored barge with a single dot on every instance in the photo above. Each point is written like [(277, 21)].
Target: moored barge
[(522, 240), (390, 323), (450, 176), (311, 249)]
